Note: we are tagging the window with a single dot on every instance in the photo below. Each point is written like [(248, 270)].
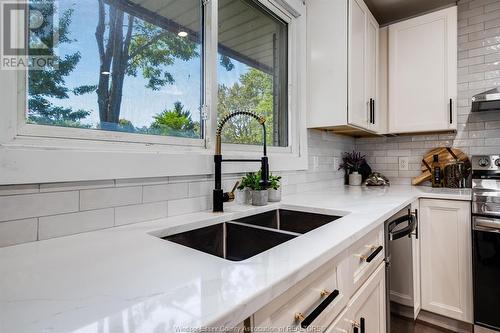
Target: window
[(129, 66), (122, 95), (252, 72)]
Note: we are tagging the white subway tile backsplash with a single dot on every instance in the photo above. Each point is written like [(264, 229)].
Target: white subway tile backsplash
[(110, 197), (480, 3), (17, 232), (33, 205), (492, 7), (140, 213), (470, 28), (165, 192), (141, 181), (19, 189), (492, 24), (189, 205), (69, 224), (74, 186)]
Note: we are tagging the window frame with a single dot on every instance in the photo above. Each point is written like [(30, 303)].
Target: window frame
[(60, 152)]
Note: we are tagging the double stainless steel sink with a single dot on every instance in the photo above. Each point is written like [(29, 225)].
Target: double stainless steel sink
[(246, 237)]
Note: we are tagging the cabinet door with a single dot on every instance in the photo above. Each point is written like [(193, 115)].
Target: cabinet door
[(423, 73), (327, 63), (367, 308), (446, 263), (358, 105), (405, 269)]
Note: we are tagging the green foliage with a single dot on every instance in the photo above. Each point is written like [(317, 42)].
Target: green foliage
[(226, 62), (275, 181), (49, 82), (176, 121), (254, 93), (153, 49), (252, 181)]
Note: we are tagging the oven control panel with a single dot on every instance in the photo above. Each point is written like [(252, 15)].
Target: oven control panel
[(486, 162)]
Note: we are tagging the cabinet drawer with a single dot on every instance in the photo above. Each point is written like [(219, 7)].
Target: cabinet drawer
[(365, 256), (307, 302)]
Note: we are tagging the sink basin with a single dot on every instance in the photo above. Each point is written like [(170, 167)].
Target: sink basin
[(246, 237), (231, 241), (289, 220)]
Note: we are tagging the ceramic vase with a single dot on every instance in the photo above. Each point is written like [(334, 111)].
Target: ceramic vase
[(244, 197), (260, 198), (274, 195), (355, 179)]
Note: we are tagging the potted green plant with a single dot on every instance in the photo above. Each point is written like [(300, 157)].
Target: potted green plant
[(351, 163), (244, 191), (260, 195), (274, 188)]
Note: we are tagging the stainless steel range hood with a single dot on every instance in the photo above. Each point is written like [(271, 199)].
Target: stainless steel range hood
[(486, 101)]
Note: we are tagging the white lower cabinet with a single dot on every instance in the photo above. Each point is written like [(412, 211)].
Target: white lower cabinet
[(446, 258), (348, 291), (365, 312), (301, 302)]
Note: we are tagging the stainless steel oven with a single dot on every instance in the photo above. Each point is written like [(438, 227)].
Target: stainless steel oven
[(486, 242)]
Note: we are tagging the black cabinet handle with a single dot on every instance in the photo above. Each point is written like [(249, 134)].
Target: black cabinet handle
[(362, 324), (356, 329), (451, 111), (316, 312), (374, 254), (373, 112)]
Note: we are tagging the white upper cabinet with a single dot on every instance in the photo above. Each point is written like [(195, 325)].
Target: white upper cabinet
[(423, 73), (343, 41)]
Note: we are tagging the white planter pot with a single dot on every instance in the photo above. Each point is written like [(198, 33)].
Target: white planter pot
[(355, 179), (244, 197), (274, 195), (260, 198)]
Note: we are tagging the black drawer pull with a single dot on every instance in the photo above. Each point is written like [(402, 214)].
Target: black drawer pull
[(374, 254), (320, 308)]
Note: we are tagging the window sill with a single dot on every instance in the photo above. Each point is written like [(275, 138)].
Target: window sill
[(28, 160)]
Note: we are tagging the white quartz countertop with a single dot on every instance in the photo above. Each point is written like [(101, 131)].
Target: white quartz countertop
[(127, 279)]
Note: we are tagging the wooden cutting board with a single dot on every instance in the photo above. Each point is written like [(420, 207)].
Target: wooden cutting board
[(446, 156)]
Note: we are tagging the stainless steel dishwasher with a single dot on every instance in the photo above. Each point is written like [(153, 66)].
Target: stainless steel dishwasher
[(403, 224)]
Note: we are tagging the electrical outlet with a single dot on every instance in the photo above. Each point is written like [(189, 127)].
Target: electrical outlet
[(403, 164)]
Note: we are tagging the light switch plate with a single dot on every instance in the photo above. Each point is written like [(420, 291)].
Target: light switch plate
[(403, 163)]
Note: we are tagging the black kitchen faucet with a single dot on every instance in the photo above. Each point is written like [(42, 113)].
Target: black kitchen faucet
[(219, 196)]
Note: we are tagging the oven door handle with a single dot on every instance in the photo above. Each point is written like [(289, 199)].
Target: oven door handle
[(486, 224)]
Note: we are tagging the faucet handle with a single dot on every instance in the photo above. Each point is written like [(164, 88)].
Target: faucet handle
[(231, 195)]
